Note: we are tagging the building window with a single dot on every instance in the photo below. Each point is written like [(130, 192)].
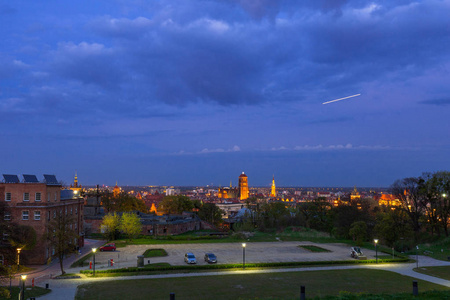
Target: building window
[(38, 196), (25, 215), (66, 211), (48, 215), (5, 236), (76, 210), (37, 215), (7, 196), (7, 216), (26, 196), (55, 196), (71, 211), (54, 214), (48, 197)]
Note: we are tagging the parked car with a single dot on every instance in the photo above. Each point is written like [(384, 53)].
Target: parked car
[(108, 247), (189, 258), (210, 258), (355, 252)]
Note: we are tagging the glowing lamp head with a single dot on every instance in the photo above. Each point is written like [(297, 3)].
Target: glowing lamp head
[(18, 250), (94, 250), (243, 245), (24, 276), (376, 241), (444, 195)]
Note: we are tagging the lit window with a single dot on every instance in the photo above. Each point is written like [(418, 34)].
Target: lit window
[(26, 196), (38, 196), (7, 216), (7, 196), (37, 215), (25, 215)]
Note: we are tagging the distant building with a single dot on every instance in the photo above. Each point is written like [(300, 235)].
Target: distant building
[(273, 192), (75, 187), (117, 190), (355, 195), (35, 203), (243, 186), (241, 192)]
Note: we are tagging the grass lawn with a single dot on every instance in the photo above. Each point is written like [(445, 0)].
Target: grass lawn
[(256, 286), (441, 272), (314, 248), (29, 292), (155, 253)]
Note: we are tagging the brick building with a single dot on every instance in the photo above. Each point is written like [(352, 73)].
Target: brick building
[(34, 203)]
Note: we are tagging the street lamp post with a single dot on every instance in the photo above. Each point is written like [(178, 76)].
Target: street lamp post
[(417, 256), (376, 250), (94, 250), (243, 255), (18, 258), (22, 291)]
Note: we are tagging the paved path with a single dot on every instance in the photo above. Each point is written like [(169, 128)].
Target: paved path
[(232, 252)]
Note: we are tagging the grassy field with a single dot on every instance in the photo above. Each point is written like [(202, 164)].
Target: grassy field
[(257, 286), (441, 272), (29, 292), (155, 253)]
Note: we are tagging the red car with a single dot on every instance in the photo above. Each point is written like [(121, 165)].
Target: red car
[(108, 247)]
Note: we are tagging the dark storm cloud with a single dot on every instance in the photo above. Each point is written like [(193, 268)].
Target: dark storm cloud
[(197, 54)]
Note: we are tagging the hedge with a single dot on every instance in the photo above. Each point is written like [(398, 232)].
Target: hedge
[(247, 265)]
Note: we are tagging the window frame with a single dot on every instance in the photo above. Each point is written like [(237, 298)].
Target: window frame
[(36, 196), (26, 196), (6, 196), (27, 215), (37, 215)]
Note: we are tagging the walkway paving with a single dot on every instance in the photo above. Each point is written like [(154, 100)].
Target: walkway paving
[(255, 252)]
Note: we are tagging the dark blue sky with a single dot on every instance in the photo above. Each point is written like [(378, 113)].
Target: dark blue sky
[(195, 92)]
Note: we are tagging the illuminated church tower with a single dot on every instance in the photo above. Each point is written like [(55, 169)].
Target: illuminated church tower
[(243, 186), (75, 186), (273, 192)]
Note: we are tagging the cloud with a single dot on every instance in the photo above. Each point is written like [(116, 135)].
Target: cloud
[(220, 150)]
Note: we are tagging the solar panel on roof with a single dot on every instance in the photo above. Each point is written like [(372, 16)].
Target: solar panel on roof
[(29, 178), (50, 179), (11, 178)]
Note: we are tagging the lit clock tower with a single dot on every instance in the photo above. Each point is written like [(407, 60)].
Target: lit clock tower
[(243, 186)]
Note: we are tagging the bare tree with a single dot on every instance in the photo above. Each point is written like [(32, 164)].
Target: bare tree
[(62, 236), (413, 202)]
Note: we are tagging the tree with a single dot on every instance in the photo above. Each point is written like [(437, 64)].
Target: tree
[(62, 236), (110, 226), (436, 190), (130, 224), (393, 227), (175, 204), (409, 192), (358, 232), (211, 213), (122, 202)]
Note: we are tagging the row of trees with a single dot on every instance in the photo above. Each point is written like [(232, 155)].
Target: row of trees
[(424, 208), (128, 224)]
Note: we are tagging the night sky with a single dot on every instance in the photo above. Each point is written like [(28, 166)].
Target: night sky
[(195, 92)]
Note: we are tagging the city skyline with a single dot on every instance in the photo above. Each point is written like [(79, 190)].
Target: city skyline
[(194, 93)]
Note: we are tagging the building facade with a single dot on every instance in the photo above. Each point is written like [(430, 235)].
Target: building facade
[(35, 203)]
